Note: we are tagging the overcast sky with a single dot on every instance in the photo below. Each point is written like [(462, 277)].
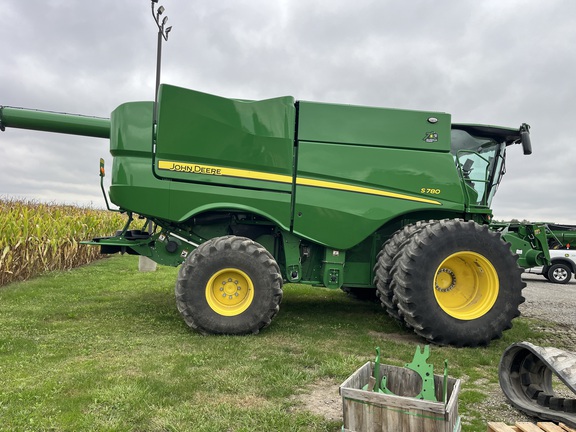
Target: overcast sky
[(501, 62)]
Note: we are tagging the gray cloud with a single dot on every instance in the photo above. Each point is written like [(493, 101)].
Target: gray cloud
[(487, 62)]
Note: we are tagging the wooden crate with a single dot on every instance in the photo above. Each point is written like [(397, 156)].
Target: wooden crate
[(529, 427), (366, 411)]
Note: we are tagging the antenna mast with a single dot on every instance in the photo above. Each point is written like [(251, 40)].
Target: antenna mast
[(162, 34)]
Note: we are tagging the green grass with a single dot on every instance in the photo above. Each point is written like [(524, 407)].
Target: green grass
[(103, 348)]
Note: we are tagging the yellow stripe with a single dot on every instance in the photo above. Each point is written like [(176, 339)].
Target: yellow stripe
[(345, 187), (258, 175)]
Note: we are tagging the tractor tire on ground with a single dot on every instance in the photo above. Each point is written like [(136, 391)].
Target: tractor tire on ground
[(383, 270), (229, 285), (559, 273), (457, 283)]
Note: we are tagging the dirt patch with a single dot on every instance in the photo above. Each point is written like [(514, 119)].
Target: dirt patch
[(321, 398)]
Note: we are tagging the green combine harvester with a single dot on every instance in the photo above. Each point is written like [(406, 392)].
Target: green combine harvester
[(247, 195)]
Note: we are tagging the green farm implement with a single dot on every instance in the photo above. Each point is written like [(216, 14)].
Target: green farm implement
[(557, 236)]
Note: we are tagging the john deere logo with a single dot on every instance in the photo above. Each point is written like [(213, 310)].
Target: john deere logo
[(431, 137)]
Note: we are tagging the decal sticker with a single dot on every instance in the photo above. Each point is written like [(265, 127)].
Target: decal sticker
[(431, 137), (190, 168), (431, 191)]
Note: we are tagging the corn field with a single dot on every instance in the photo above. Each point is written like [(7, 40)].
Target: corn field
[(36, 238)]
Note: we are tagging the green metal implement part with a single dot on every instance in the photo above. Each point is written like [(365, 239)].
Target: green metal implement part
[(558, 236), (418, 365), (317, 189), (529, 241)]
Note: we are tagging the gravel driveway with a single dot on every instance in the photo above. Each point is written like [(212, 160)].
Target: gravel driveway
[(549, 301)]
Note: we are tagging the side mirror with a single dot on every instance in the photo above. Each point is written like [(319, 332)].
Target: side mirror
[(525, 138), (467, 167)]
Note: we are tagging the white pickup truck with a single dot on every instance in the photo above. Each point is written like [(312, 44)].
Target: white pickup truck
[(562, 267)]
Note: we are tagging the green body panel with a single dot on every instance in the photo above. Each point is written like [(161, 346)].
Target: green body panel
[(197, 130), (134, 186), (371, 165), (360, 261), (48, 121), (333, 268), (371, 126), (273, 206), (401, 174)]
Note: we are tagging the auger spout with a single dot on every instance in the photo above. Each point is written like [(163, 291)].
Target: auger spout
[(48, 121)]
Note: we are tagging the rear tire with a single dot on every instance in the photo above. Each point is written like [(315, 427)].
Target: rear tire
[(559, 273), (457, 283), (229, 285)]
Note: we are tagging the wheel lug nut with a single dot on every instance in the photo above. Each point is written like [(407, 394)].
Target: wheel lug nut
[(230, 297), (224, 295), (236, 294)]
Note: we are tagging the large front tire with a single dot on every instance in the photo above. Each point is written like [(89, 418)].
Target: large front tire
[(457, 283), (229, 285)]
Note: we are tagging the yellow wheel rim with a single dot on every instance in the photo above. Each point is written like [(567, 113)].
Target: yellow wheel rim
[(229, 292), (466, 285)]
